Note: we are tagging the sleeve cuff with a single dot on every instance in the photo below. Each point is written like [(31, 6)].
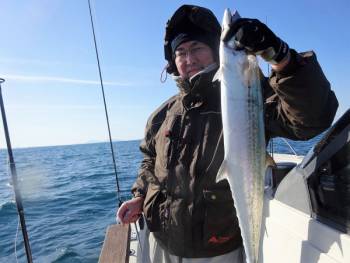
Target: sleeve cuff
[(296, 61), (138, 193)]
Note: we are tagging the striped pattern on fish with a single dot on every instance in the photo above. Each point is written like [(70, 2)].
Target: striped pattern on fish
[(244, 139)]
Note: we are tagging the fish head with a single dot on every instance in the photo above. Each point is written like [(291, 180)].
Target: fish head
[(230, 58), (227, 20)]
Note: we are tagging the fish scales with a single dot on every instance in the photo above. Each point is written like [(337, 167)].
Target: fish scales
[(244, 139)]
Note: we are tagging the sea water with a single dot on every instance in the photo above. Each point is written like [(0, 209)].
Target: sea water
[(69, 198)]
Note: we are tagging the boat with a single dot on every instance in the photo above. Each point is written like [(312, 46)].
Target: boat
[(306, 209), (307, 215)]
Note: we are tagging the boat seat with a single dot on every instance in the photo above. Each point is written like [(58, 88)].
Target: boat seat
[(280, 171)]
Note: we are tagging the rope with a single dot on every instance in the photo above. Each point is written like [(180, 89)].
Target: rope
[(16, 237), (290, 146), (162, 77), (105, 105)]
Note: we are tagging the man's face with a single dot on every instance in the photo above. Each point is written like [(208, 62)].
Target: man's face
[(192, 57)]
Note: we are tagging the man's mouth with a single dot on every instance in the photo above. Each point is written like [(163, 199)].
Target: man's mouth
[(193, 71)]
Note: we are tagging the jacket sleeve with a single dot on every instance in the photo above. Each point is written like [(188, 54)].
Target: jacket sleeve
[(147, 147), (146, 170), (300, 103)]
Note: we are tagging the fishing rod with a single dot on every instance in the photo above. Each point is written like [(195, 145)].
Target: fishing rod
[(14, 180), (107, 119), (105, 105)]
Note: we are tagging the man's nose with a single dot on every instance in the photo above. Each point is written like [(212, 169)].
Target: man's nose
[(190, 57)]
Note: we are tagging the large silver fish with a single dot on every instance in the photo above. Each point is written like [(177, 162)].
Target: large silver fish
[(244, 138)]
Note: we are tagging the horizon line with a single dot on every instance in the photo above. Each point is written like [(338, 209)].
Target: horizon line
[(69, 144)]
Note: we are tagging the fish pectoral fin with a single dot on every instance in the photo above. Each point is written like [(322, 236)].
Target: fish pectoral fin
[(270, 162), (217, 76), (222, 173)]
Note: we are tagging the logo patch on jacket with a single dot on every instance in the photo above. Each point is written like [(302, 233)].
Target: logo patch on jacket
[(219, 240)]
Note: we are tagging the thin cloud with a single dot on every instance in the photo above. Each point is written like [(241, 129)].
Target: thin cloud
[(45, 107), (63, 80), (31, 62)]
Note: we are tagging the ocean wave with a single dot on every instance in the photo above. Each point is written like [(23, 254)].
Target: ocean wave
[(67, 254), (8, 206)]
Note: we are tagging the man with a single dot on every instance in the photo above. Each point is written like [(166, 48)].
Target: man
[(191, 216)]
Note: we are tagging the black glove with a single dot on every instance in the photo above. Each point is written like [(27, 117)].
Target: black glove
[(257, 38)]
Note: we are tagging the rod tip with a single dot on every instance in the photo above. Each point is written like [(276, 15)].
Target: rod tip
[(2, 80)]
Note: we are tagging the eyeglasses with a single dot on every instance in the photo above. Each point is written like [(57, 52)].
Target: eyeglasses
[(196, 51)]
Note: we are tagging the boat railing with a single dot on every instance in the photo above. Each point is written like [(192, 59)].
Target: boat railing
[(116, 246)]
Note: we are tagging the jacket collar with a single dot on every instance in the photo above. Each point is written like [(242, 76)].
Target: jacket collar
[(195, 92)]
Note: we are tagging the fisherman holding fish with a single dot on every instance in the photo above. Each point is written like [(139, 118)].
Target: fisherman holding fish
[(190, 215)]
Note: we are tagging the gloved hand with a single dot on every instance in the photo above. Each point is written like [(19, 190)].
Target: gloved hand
[(257, 38)]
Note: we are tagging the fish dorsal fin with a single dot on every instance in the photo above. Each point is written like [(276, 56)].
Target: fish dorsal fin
[(223, 172)]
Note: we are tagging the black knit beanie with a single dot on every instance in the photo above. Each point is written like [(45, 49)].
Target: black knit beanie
[(194, 36)]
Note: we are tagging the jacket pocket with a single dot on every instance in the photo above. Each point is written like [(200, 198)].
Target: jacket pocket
[(156, 209), (220, 223)]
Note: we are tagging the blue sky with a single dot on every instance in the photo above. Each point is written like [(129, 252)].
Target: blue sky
[(52, 93)]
